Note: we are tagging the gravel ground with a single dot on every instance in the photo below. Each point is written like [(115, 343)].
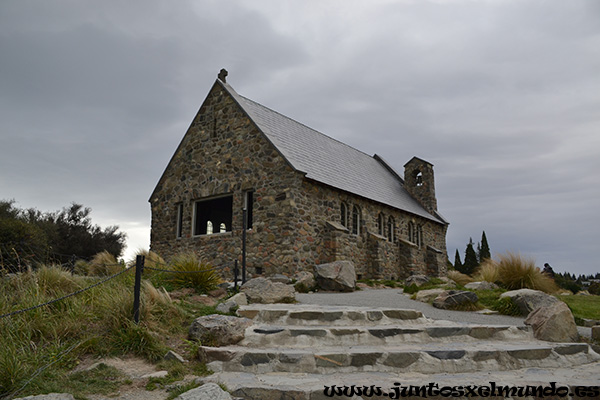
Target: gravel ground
[(396, 299)]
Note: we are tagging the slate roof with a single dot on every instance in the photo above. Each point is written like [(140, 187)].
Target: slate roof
[(330, 161)]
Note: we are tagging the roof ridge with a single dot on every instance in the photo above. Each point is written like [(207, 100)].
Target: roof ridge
[(306, 126)]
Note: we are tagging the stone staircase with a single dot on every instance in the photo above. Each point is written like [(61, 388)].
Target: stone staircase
[(294, 351)]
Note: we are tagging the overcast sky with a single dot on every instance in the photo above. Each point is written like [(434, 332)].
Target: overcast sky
[(503, 97)]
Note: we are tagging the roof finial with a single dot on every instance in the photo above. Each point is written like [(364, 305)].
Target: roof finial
[(223, 75)]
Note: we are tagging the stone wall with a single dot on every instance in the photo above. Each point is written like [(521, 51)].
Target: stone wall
[(296, 221)]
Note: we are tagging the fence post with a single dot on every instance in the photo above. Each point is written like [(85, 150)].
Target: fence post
[(235, 275), (139, 267), (245, 224)]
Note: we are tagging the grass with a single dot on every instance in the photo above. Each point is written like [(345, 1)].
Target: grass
[(583, 306), (517, 272), (39, 347), (487, 272), (191, 272), (460, 278)]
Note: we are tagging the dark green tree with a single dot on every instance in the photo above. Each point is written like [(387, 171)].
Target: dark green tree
[(484, 249), (457, 262), (470, 263)]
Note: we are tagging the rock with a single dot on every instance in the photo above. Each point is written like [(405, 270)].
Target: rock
[(583, 293), (454, 298), (305, 278), (171, 355), (481, 285), (428, 295), (218, 293), (209, 391), (158, 374), (279, 278), (261, 290), (219, 330), (50, 396), (418, 280), (529, 300), (553, 323), (338, 276), (596, 333), (232, 303)]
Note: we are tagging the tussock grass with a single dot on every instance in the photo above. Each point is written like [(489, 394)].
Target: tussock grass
[(460, 278), (48, 341), (517, 272), (487, 271), (193, 272), (104, 264)]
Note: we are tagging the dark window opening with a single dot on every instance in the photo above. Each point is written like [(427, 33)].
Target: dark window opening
[(419, 178), (380, 224), (390, 229), (344, 214), (212, 214), (355, 220), (415, 233), (179, 230), (259, 270), (248, 204)]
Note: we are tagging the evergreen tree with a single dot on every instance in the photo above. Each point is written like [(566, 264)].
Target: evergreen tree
[(484, 250), (457, 262), (470, 263)]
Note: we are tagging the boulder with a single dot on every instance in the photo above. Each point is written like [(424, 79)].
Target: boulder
[(455, 298), (232, 303), (428, 295), (306, 279), (553, 323), (481, 285), (529, 300), (50, 396), (280, 278), (418, 280), (209, 391), (338, 276), (219, 330), (596, 333), (262, 290), (171, 355)]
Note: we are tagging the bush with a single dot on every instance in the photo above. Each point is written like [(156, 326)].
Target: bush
[(594, 289), (516, 272), (460, 278), (488, 271), (189, 271), (104, 264)]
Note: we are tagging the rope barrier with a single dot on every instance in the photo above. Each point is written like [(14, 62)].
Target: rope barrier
[(184, 272), (10, 314)]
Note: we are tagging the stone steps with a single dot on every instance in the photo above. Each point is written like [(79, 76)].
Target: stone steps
[(293, 351)]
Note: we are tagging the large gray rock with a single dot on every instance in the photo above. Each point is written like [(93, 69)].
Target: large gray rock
[(418, 280), (455, 299), (306, 279), (339, 276), (553, 323), (261, 290), (219, 330), (50, 396), (209, 391), (279, 278), (596, 333), (428, 295), (481, 285), (529, 300)]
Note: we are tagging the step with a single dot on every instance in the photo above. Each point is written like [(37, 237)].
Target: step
[(425, 358), (285, 314), (302, 386), (376, 335)]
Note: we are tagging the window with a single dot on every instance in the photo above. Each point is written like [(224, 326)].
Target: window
[(344, 214), (212, 213), (415, 234), (248, 204), (390, 229), (355, 220), (380, 224), (179, 229), (418, 178)]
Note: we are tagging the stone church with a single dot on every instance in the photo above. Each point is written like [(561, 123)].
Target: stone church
[(308, 198)]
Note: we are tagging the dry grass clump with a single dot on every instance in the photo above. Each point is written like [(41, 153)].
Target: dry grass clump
[(151, 259), (516, 272), (488, 272), (460, 278), (193, 272), (104, 264)]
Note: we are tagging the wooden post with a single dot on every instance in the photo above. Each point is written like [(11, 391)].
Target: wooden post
[(139, 268)]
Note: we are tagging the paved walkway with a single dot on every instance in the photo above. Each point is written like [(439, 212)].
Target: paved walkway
[(396, 299)]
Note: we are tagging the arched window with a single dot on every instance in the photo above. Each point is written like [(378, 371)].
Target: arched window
[(355, 220), (344, 214), (415, 233), (209, 228), (380, 224), (390, 229)]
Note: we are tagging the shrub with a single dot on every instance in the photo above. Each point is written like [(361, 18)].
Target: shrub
[(488, 271), (189, 271), (460, 278), (104, 264), (594, 289), (516, 272)]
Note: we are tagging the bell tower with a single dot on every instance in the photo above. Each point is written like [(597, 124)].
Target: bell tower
[(420, 184)]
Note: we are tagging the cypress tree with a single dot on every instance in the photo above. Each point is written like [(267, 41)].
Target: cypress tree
[(470, 263), (457, 262), (484, 252)]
